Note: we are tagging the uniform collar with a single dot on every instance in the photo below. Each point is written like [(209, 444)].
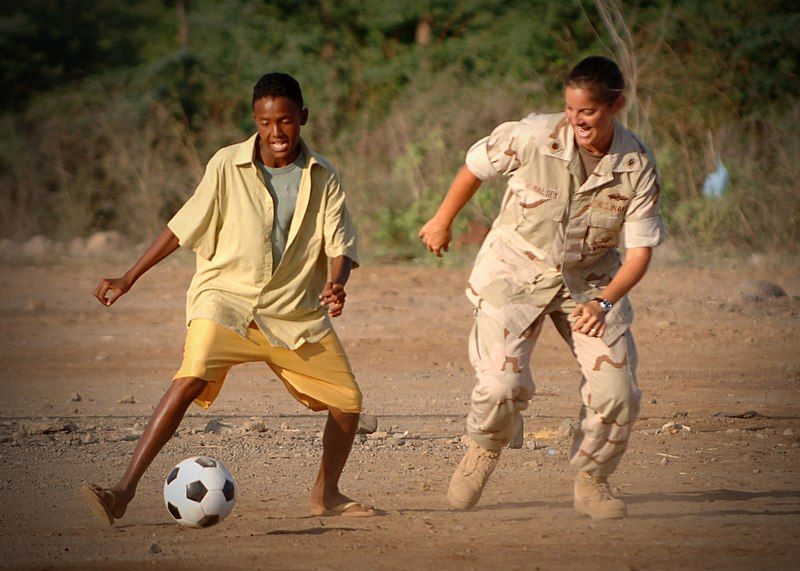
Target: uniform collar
[(623, 156), (560, 143)]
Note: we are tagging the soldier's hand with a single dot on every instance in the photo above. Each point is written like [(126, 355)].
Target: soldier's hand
[(436, 236), (590, 319), (110, 290), (333, 295)]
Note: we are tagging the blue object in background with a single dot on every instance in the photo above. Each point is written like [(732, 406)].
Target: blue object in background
[(716, 183)]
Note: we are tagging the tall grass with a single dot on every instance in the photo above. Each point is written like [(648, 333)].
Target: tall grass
[(79, 164), (72, 167), (122, 152), (761, 211), (398, 171)]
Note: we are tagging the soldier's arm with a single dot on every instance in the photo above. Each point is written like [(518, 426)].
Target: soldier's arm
[(436, 233), (630, 273), (643, 230), (499, 154), (590, 318)]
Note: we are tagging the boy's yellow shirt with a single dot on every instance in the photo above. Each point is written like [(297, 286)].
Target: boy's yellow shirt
[(228, 224)]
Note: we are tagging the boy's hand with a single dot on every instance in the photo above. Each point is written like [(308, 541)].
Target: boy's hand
[(111, 289), (333, 296), (114, 288), (591, 320), (436, 236)]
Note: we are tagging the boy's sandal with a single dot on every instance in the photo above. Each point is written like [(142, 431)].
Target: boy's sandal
[(93, 495), (346, 509)]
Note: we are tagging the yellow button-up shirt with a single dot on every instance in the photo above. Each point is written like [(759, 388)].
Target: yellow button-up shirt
[(228, 224)]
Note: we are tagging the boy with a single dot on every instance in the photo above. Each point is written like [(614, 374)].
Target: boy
[(264, 220)]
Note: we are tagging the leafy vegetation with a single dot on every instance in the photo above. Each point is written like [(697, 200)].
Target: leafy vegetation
[(111, 108)]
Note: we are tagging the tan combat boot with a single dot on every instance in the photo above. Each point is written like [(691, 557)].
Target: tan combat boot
[(470, 476), (593, 497)]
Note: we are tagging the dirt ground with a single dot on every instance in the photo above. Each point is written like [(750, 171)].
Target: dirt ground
[(724, 494)]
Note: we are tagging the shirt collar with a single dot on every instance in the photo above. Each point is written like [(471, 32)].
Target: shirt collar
[(246, 152), (623, 156)]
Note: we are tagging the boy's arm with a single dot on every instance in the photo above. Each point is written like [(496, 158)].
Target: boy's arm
[(436, 234), (114, 288), (333, 294)]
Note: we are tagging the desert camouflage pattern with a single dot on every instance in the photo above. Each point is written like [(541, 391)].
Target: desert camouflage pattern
[(554, 245), (609, 393), (557, 224)]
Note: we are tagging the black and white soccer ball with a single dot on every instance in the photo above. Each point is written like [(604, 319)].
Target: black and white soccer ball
[(199, 492)]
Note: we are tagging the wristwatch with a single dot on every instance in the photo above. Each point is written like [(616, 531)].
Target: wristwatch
[(605, 305)]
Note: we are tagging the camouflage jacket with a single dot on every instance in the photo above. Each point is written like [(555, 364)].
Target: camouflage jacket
[(559, 227)]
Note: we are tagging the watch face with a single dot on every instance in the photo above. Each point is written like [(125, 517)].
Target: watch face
[(606, 305)]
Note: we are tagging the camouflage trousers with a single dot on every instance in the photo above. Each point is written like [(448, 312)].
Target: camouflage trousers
[(609, 393)]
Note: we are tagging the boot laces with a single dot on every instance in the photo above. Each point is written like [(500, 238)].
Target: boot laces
[(482, 462), (603, 489)]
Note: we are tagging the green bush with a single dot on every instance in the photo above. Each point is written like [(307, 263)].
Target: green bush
[(115, 133)]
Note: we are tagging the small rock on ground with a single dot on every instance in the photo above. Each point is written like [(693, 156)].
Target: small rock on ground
[(758, 290), (254, 426), (215, 426), (367, 423)]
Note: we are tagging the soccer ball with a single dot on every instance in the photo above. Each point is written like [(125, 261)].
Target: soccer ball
[(199, 492)]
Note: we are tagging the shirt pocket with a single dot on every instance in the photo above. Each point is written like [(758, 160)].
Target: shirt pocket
[(536, 202), (538, 212), (601, 218), (521, 266), (604, 230)]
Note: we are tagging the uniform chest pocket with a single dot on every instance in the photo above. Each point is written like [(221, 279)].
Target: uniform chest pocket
[(601, 218), (609, 207), (604, 230), (537, 202)]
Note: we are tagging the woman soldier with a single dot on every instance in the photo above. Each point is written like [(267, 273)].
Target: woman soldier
[(578, 182)]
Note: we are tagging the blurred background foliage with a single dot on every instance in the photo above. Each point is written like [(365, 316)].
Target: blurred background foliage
[(111, 108)]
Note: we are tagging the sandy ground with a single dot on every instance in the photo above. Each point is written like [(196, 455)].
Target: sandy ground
[(727, 495)]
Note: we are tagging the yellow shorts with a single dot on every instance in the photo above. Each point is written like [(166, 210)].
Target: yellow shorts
[(316, 374)]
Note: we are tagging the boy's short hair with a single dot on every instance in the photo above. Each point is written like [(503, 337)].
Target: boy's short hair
[(278, 84)]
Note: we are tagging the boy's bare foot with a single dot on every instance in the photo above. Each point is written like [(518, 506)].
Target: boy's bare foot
[(341, 505), (106, 505)]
